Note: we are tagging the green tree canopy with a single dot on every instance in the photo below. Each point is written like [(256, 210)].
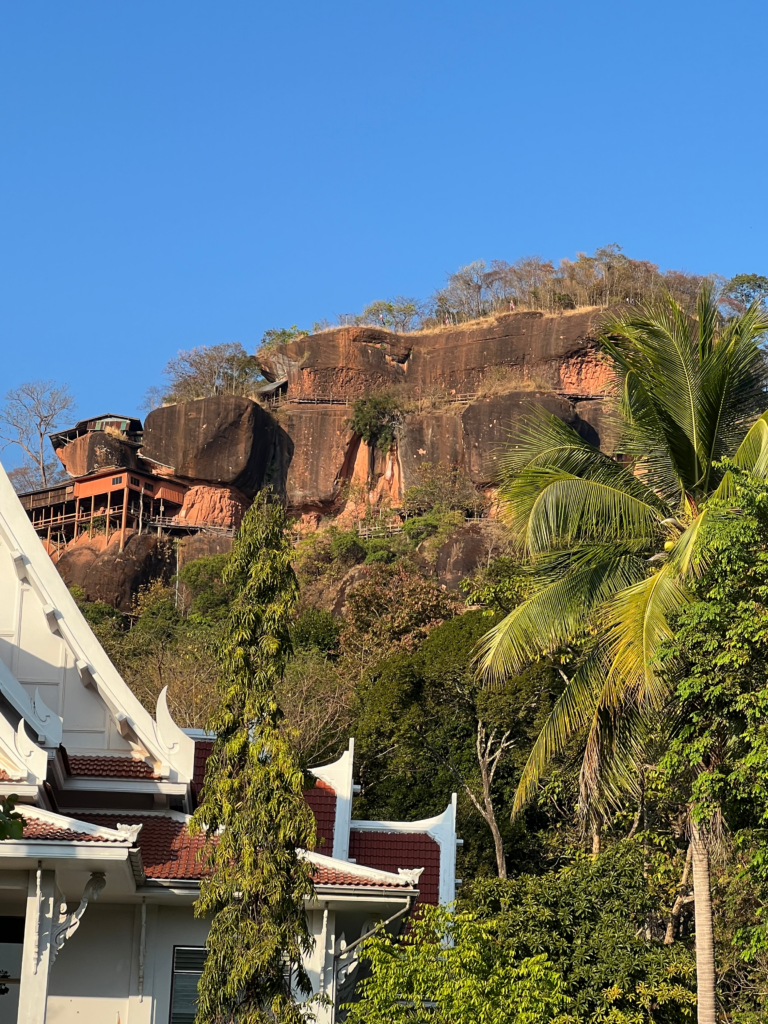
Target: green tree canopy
[(590, 921), (452, 968)]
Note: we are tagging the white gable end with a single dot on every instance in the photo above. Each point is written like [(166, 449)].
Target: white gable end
[(55, 673)]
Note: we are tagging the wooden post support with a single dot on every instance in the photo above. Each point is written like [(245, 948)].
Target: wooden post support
[(109, 509), (77, 516), (125, 513)]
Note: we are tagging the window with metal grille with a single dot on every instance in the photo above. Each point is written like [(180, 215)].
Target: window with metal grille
[(117, 479), (135, 481), (149, 487), (188, 964)]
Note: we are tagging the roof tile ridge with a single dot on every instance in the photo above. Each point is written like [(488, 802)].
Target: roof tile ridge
[(177, 816), (70, 824), (404, 877)]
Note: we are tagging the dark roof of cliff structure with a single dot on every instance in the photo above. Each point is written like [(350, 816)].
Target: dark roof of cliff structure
[(128, 425)]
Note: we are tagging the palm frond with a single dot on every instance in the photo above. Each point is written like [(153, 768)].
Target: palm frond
[(637, 621), (655, 352), (733, 382), (567, 510), (618, 748), (752, 453), (557, 487), (572, 712), (558, 611)]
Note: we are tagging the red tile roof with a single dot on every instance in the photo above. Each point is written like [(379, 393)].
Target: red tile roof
[(389, 851), (321, 797), (167, 849), (110, 767), (336, 876), (169, 852), (37, 828), (322, 801), (203, 750)]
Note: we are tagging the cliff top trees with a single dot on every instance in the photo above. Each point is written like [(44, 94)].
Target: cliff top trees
[(207, 370), (252, 797)]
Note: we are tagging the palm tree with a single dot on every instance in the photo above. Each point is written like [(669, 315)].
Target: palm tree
[(611, 543)]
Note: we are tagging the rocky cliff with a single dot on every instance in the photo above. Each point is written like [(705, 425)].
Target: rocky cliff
[(464, 389)]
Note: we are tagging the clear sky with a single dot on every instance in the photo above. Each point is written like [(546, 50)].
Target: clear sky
[(185, 173)]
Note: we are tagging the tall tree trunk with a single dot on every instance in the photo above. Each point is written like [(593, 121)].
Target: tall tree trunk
[(501, 860), (596, 826), (674, 918), (705, 942)]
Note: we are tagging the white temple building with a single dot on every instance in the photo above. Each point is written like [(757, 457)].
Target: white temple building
[(96, 920)]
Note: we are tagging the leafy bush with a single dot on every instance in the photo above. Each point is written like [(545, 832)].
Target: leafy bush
[(379, 549), (329, 553), (393, 606), (203, 579), (454, 968), (346, 546), (444, 487), (589, 920), (317, 630), (436, 526), (376, 420), (499, 586), (96, 613)]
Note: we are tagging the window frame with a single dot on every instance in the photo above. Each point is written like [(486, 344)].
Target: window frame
[(174, 972)]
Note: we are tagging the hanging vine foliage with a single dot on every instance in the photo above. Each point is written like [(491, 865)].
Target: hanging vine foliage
[(252, 799)]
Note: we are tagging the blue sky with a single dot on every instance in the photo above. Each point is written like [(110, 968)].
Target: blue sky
[(185, 173)]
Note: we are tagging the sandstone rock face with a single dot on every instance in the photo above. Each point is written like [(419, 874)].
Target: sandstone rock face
[(489, 424), (489, 375), (536, 351), (329, 457), (202, 545), (95, 451), (224, 440), (460, 555), (321, 444), (472, 436), (113, 576), (221, 506), (349, 362)]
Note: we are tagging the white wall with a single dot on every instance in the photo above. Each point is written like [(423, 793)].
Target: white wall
[(175, 926), (90, 980)]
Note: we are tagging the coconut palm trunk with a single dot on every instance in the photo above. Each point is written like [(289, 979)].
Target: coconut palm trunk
[(705, 942)]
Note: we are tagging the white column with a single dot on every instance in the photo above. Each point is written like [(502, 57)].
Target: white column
[(35, 961)]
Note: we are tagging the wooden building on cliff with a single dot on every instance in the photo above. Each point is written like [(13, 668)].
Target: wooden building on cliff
[(113, 490)]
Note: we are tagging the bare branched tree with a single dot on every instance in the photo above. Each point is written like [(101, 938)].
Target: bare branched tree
[(205, 371), (29, 413)]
